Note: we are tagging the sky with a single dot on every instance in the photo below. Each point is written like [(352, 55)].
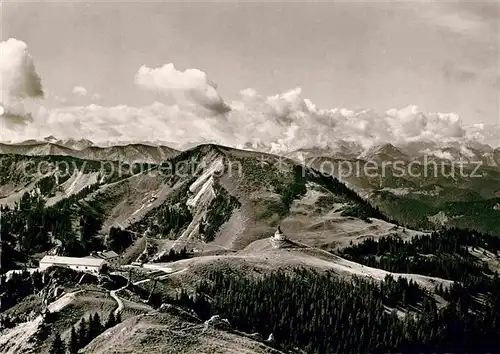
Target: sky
[(439, 56)]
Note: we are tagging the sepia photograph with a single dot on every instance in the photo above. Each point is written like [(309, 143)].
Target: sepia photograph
[(249, 177)]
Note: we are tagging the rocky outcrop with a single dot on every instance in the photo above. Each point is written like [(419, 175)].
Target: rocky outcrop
[(217, 322)]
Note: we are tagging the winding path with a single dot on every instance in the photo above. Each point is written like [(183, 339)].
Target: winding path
[(119, 301)]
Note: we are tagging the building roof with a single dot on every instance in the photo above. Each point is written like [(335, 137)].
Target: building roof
[(90, 262), (108, 254)]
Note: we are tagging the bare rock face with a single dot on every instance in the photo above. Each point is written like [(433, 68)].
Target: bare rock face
[(216, 322)]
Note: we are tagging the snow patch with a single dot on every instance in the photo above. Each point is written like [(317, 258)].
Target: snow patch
[(467, 152), (206, 191), (215, 167), (9, 273), (62, 302), (397, 191), (444, 155), (203, 186), (77, 182), (439, 219)]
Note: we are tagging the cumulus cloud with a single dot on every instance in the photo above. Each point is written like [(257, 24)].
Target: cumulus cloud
[(104, 125), (191, 85), (80, 91), (289, 121), (279, 123), (20, 80)]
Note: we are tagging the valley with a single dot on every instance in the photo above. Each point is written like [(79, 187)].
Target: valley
[(210, 215)]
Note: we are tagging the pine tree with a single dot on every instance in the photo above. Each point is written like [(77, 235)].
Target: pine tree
[(97, 323), (82, 333), (73, 344), (58, 346), (95, 327), (90, 330), (111, 321)]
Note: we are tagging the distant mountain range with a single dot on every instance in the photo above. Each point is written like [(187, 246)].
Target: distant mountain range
[(473, 153), (156, 152), (426, 198), (86, 149)]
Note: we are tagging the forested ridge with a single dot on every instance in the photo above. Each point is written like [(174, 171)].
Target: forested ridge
[(445, 253), (322, 313)]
